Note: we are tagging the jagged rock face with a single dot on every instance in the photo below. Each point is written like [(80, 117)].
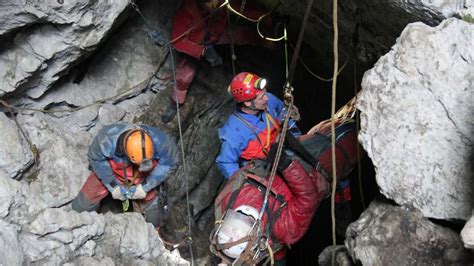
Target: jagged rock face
[(16, 157), (39, 225), (53, 37), (33, 233), (390, 235), (467, 233), (415, 122)]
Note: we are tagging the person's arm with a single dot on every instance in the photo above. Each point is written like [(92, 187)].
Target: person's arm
[(99, 154), (166, 152), (228, 160), (295, 219)]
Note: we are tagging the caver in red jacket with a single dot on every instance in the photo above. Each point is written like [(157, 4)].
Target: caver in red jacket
[(193, 30), (301, 191)]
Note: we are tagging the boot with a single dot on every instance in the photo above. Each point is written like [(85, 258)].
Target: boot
[(169, 113)]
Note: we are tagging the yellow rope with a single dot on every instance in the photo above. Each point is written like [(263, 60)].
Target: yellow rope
[(333, 120), (283, 37), (316, 75), (242, 15), (270, 254)]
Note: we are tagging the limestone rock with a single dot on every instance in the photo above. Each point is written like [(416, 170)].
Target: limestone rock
[(467, 233), (416, 119), (11, 252), (53, 38), (16, 157), (10, 194), (390, 235)]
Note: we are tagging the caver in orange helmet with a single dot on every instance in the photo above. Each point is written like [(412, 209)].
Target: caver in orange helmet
[(246, 86), (138, 146)]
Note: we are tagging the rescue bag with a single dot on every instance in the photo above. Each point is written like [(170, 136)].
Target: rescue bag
[(257, 249)]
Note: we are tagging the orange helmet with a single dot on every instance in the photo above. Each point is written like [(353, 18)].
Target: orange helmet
[(245, 86), (138, 146)]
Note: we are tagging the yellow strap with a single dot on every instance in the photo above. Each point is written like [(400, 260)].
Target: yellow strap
[(277, 127), (267, 144), (275, 124)]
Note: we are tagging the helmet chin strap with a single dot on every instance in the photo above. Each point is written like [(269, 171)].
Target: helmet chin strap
[(252, 107)]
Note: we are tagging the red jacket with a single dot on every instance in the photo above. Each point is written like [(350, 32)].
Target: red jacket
[(302, 192), (190, 16), (214, 30)]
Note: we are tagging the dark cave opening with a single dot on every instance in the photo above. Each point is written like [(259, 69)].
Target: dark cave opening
[(313, 99)]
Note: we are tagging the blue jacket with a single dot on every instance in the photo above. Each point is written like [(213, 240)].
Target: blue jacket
[(103, 149), (240, 143)]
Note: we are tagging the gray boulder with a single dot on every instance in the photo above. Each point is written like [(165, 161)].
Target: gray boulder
[(391, 235), (416, 121)]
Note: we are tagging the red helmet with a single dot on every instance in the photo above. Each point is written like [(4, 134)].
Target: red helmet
[(245, 86)]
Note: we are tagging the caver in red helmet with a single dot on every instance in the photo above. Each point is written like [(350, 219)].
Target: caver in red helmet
[(245, 86)]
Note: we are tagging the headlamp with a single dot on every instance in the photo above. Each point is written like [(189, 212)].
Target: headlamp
[(260, 83)]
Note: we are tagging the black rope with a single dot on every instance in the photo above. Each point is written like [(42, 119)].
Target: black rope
[(300, 40), (154, 35)]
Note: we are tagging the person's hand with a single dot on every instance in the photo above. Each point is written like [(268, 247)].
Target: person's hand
[(119, 193), (284, 160), (211, 55), (137, 192)]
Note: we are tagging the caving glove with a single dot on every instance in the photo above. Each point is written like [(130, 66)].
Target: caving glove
[(211, 55), (119, 193), (137, 192), (284, 161)]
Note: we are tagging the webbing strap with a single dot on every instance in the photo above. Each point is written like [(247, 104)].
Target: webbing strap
[(231, 244), (247, 124), (275, 124), (269, 118)]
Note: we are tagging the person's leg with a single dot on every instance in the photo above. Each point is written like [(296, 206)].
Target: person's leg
[(280, 262), (280, 257), (185, 72), (343, 210), (152, 208), (92, 192)]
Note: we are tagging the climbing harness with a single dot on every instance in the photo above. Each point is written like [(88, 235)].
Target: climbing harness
[(269, 119), (128, 183)]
